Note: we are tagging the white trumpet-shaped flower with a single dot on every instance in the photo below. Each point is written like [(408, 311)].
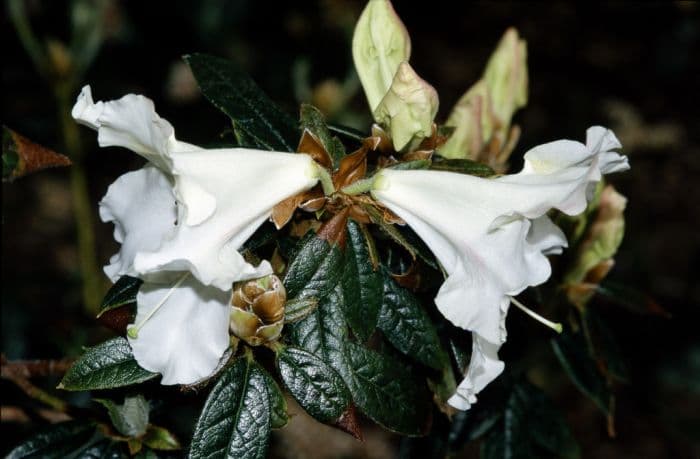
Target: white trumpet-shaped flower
[(491, 236), (181, 220)]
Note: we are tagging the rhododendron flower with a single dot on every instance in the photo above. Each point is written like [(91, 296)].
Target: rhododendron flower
[(181, 220), (492, 236)]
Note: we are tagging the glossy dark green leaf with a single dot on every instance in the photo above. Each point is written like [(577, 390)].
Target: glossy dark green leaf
[(104, 449), (123, 292), (408, 327), (278, 404), (411, 165), (573, 354), (473, 423), (385, 390), (544, 423), (313, 120), (261, 237), (314, 384), (297, 309), (315, 270), (405, 237), (607, 351), (257, 121), (347, 133), (56, 441), (105, 366), (235, 421), (131, 417), (531, 427), (462, 166), (380, 386), (362, 285), (630, 298)]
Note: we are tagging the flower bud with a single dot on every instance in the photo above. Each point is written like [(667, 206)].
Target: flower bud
[(379, 44), (408, 108), (484, 113), (257, 310)]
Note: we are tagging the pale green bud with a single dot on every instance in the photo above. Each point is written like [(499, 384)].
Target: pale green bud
[(379, 44), (485, 111), (506, 77), (604, 235), (595, 255), (408, 108)]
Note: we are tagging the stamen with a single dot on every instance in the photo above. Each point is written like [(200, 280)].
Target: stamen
[(557, 327), (133, 331)]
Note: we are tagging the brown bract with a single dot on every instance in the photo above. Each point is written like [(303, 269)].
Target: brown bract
[(30, 156)]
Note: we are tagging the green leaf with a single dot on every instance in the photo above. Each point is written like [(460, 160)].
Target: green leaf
[(315, 270), (315, 385), (408, 327), (123, 292), (362, 285), (278, 404), (261, 237), (257, 121), (530, 426), (104, 449), (405, 237), (630, 298), (416, 164), (130, 418), (161, 439), (608, 352), (380, 386), (313, 120), (56, 441), (297, 309), (105, 366), (235, 421), (347, 133), (462, 166), (385, 390), (573, 355)]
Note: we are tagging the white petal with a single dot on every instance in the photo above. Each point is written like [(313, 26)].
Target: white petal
[(546, 236), (484, 367), (453, 214), (491, 235), (603, 141), (142, 206), (130, 122), (187, 335), (225, 194)]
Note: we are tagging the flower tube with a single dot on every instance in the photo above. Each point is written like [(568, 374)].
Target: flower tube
[(492, 236), (181, 220)]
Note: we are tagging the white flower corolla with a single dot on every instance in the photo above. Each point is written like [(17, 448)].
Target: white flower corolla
[(181, 220), (491, 236)]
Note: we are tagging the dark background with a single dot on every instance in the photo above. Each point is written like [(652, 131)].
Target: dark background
[(631, 66)]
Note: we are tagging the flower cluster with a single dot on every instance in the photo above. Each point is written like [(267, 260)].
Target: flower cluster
[(182, 218)]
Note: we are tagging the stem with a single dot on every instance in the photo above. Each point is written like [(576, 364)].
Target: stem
[(18, 16), (326, 180), (359, 187), (89, 270), (557, 327)]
